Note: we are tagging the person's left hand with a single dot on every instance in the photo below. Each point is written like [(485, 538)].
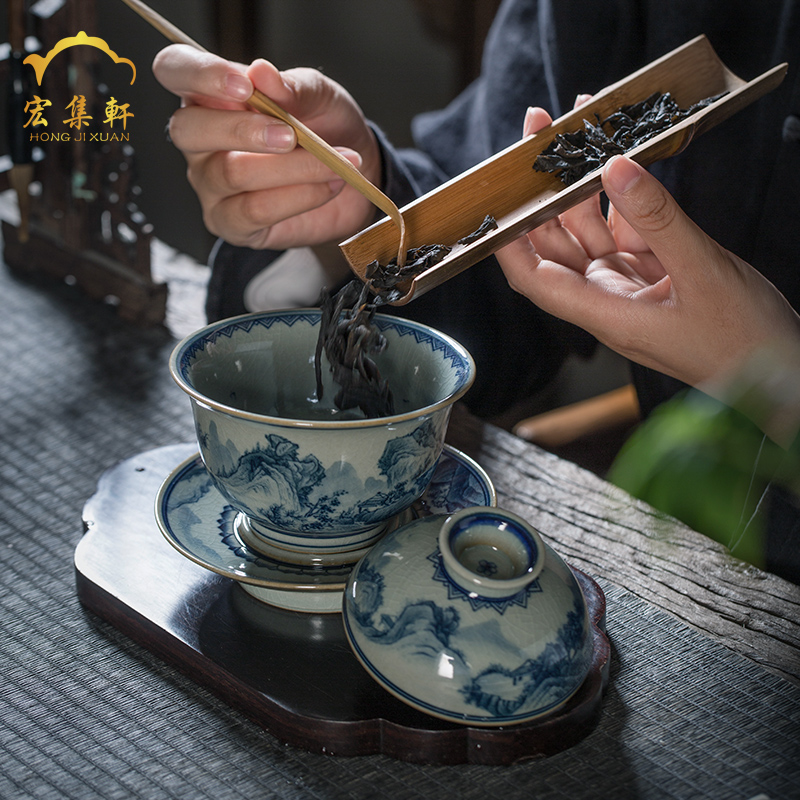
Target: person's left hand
[(647, 282)]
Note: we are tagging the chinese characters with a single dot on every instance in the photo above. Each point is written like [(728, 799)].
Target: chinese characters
[(78, 118), (36, 109)]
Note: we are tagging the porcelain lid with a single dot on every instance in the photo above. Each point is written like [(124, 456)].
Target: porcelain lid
[(470, 617)]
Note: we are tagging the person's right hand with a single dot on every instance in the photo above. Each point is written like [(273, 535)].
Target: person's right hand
[(256, 187)]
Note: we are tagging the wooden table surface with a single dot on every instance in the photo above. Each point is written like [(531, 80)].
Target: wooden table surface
[(604, 531)]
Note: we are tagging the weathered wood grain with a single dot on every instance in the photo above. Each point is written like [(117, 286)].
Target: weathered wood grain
[(609, 534)]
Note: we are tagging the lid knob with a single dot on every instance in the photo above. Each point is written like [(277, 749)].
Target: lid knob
[(490, 552)]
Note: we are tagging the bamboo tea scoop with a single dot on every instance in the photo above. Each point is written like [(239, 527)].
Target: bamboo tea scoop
[(306, 138), (507, 187)]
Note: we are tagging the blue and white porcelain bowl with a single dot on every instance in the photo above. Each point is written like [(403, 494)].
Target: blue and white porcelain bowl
[(307, 478), (471, 618)]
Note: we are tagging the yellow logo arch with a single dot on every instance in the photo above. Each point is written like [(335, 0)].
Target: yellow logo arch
[(39, 63)]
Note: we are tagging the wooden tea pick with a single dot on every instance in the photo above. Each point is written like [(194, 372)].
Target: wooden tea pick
[(306, 138)]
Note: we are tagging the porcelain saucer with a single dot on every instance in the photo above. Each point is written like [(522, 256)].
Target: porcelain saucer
[(199, 522)]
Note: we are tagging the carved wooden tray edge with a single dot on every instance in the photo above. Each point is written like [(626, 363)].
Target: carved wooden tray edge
[(105, 592)]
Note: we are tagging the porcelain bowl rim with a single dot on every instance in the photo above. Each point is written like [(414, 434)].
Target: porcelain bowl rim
[(287, 422)]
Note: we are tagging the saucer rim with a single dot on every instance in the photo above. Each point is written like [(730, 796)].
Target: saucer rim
[(293, 586)]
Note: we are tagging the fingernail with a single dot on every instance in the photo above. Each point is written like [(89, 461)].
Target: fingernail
[(622, 173), (530, 112), (352, 156), (278, 136), (238, 86), (336, 186), (581, 99)]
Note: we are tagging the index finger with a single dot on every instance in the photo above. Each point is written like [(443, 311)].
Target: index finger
[(202, 78)]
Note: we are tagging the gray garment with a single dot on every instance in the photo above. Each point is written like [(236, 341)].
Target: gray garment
[(740, 182)]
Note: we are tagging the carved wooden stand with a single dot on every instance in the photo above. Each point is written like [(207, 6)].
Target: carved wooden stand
[(85, 226), (292, 673)]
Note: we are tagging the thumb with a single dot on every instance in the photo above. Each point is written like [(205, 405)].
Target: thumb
[(654, 215)]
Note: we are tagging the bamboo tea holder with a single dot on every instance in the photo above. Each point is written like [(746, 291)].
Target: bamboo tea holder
[(520, 198)]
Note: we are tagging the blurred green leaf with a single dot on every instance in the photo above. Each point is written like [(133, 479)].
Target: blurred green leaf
[(706, 464)]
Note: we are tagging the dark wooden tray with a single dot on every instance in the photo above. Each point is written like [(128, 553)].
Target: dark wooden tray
[(292, 673)]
